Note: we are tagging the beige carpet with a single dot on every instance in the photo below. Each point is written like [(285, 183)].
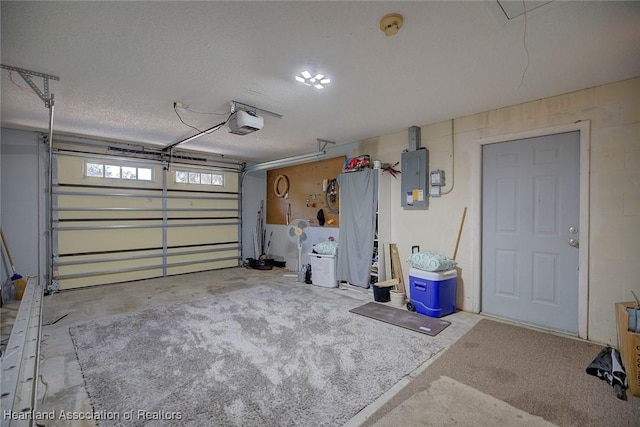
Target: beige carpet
[(541, 374)]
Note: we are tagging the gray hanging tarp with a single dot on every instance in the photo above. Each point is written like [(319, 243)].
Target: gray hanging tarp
[(358, 204)]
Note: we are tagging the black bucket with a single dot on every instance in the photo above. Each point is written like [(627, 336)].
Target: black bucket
[(381, 294)]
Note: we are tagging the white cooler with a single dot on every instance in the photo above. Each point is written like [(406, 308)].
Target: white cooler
[(323, 270)]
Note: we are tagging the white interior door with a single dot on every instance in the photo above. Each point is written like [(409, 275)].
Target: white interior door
[(530, 235)]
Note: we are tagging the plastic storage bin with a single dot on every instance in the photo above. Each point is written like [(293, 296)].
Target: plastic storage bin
[(323, 270), (432, 293)]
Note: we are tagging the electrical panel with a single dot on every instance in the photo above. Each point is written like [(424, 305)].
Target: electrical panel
[(414, 179)]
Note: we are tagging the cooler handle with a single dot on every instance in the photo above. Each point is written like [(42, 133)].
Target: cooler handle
[(419, 287)]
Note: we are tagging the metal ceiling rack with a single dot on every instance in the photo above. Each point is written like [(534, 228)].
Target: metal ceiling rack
[(247, 107), (322, 144), (27, 74)]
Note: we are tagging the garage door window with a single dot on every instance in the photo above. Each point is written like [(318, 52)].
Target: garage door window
[(199, 178), (114, 171)]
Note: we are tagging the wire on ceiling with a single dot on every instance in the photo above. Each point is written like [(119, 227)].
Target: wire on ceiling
[(26, 89), (210, 130), (524, 43), (175, 110)]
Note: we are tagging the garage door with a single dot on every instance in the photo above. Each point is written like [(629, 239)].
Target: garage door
[(121, 219)]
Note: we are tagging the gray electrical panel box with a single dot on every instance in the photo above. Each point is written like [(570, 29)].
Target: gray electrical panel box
[(414, 181)]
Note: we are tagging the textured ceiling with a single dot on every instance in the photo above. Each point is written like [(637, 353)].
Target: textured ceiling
[(123, 64)]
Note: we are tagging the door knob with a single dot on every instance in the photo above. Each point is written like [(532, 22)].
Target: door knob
[(574, 243)]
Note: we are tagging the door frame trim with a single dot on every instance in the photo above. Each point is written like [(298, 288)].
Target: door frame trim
[(584, 129)]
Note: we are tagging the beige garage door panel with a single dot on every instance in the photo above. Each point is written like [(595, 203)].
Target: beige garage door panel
[(201, 252), (192, 268), (81, 241), (201, 201), (92, 207), (182, 236), (109, 267), (83, 282), (93, 267), (198, 208)]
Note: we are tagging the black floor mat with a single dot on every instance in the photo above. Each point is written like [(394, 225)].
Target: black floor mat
[(403, 318)]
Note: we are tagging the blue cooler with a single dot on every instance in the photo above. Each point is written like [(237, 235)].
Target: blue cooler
[(432, 293)]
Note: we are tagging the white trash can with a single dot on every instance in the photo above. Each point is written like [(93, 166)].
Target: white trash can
[(323, 270)]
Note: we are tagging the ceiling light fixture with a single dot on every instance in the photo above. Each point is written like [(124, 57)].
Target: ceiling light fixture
[(316, 80), (390, 24)]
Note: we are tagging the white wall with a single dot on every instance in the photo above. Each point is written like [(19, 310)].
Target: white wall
[(22, 209)]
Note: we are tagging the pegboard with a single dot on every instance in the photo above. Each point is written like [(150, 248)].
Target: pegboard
[(305, 196)]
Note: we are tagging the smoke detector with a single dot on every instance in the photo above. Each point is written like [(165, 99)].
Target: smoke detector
[(390, 24)]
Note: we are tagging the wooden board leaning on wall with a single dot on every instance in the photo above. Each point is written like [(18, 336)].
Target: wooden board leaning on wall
[(305, 195)]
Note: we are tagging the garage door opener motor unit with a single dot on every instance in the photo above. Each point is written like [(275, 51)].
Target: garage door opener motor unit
[(244, 122)]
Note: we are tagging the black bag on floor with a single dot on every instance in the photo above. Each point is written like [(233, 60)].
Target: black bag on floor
[(608, 366)]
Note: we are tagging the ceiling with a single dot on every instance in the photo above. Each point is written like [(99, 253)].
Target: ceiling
[(122, 65)]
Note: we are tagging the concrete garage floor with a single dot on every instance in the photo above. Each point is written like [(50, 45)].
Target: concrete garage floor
[(62, 386)]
